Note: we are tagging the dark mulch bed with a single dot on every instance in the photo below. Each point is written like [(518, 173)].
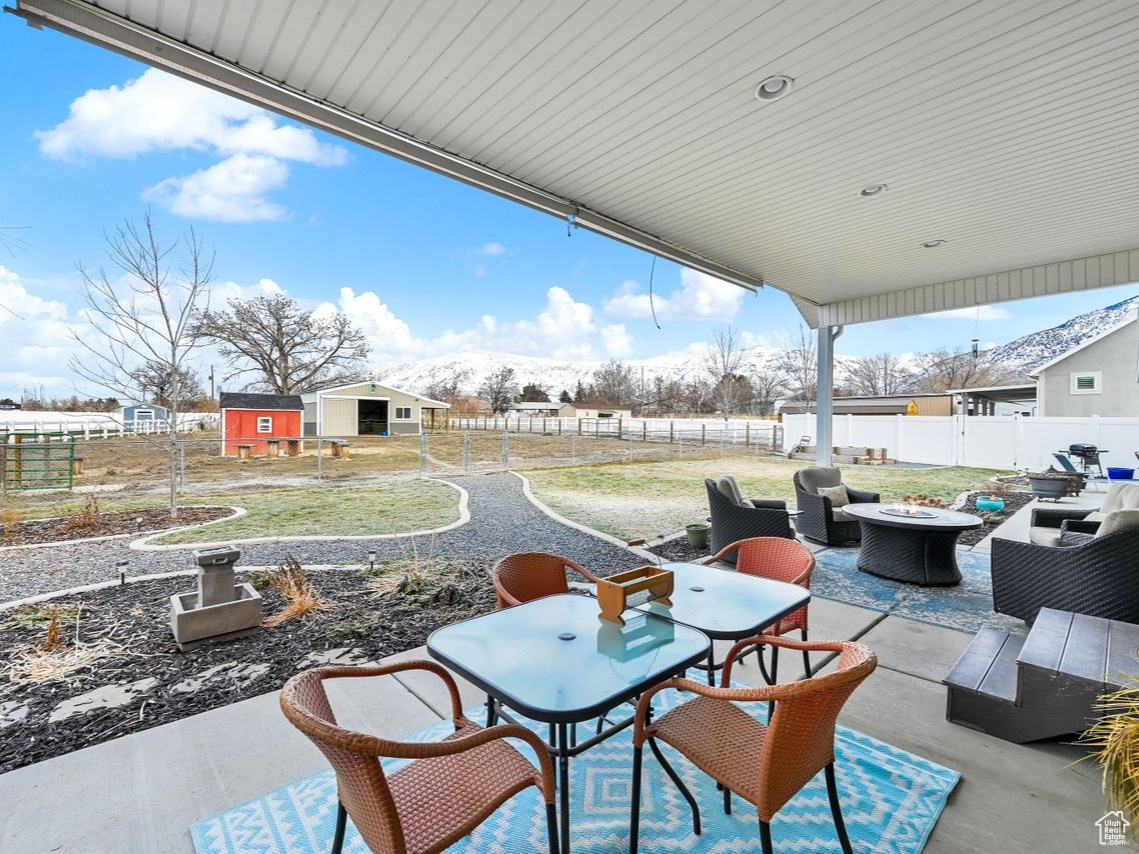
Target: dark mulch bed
[(106, 524), (373, 624)]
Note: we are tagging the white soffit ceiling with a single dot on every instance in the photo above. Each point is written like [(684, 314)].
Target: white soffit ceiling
[(1007, 128)]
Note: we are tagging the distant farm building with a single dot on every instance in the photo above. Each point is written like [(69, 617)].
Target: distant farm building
[(255, 420), (906, 404), (542, 410), (140, 417), (370, 409)]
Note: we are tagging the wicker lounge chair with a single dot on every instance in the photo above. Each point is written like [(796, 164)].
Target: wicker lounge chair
[(763, 764), (1094, 575), (524, 576), (428, 805), (819, 519), (1048, 524), (735, 518), (781, 560)]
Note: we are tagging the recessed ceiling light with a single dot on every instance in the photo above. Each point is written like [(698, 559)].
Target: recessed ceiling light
[(933, 244), (873, 190), (774, 87)]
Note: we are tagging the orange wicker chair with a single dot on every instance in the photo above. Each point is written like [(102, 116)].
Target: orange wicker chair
[(782, 560), (764, 764), (531, 575), (433, 802)]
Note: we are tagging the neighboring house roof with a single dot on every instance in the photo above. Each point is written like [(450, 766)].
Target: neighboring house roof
[(1087, 342), (240, 400), (310, 396), (535, 406)]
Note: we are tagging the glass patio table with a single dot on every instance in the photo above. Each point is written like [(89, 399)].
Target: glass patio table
[(726, 604), (554, 660)]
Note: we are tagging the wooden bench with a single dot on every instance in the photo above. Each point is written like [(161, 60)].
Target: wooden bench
[(1024, 689)]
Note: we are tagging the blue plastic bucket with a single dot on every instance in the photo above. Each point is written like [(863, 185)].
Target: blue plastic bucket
[(1115, 473)]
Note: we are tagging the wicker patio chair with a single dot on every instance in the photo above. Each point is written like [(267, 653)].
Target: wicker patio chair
[(765, 764), (1088, 573), (819, 519), (781, 560), (453, 786), (524, 576), (733, 519)]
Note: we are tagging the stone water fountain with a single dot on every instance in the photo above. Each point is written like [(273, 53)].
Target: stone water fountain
[(220, 609)]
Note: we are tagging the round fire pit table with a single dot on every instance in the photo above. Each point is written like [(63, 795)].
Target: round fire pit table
[(913, 544)]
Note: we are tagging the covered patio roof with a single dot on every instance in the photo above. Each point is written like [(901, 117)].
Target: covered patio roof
[(1001, 132)]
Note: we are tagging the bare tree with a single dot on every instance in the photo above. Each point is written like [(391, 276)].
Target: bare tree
[(286, 349), (724, 363), (166, 387), (799, 364), (766, 384), (144, 317), (613, 384), (499, 389), (942, 370), (878, 375), (446, 388)]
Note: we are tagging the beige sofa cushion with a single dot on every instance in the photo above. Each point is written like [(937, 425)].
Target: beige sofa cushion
[(1121, 496), (1118, 520)]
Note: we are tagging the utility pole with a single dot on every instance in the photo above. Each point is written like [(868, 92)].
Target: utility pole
[(211, 382)]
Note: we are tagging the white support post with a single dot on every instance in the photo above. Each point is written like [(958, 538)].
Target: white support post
[(824, 437)]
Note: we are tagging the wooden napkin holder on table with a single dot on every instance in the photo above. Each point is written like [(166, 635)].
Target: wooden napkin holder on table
[(613, 593)]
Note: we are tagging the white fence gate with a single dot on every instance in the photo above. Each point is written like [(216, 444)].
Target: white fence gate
[(998, 442)]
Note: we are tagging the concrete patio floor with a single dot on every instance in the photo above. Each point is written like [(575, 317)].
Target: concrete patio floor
[(142, 792)]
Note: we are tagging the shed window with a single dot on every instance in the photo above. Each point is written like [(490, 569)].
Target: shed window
[(265, 424), (403, 413), (1087, 383)]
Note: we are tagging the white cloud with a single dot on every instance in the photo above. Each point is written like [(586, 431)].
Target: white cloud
[(159, 112), (980, 312), (490, 250), (700, 297), (38, 341), (616, 341), (231, 191)]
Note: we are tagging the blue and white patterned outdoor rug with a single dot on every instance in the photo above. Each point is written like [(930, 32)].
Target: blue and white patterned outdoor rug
[(967, 606), (891, 800)]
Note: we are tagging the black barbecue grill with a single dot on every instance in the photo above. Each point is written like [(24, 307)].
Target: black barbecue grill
[(1087, 454)]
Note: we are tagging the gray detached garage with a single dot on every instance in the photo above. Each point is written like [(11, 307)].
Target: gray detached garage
[(370, 409)]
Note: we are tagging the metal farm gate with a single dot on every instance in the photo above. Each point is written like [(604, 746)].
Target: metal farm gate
[(37, 460)]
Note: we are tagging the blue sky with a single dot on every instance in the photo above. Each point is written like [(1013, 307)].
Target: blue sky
[(424, 264)]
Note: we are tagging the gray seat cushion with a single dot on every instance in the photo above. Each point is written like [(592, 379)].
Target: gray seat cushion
[(1044, 536), (812, 477)]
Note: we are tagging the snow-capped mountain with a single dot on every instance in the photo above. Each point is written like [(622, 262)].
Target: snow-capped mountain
[(1024, 355), (1029, 352), (551, 374)]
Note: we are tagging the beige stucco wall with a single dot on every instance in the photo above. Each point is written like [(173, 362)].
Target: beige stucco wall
[(1116, 358)]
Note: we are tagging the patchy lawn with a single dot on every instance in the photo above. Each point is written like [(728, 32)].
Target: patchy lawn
[(648, 499)]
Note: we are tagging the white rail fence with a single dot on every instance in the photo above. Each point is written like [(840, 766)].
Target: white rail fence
[(687, 431), (100, 425), (998, 442)]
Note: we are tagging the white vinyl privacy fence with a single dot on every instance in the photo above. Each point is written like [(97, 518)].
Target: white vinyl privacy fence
[(999, 442)]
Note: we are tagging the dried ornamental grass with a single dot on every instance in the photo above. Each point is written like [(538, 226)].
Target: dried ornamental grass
[(88, 516), (9, 522), (54, 660), (290, 580), (1115, 741)]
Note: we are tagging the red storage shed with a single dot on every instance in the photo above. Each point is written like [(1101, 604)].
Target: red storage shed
[(254, 419)]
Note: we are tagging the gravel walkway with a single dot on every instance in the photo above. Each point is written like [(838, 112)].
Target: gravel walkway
[(502, 521)]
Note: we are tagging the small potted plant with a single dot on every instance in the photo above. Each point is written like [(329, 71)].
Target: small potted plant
[(698, 534), (994, 502)]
